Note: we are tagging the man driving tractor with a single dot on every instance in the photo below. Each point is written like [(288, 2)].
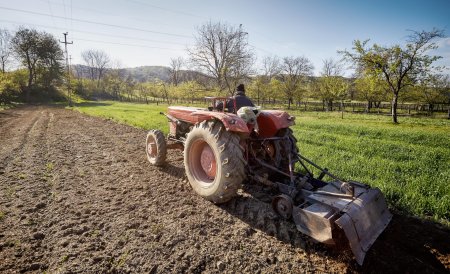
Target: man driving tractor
[(241, 100)]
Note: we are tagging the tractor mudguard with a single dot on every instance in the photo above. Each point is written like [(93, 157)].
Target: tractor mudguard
[(271, 121), (194, 115)]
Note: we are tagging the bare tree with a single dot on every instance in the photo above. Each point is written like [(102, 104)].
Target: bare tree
[(331, 68), (88, 58), (294, 71), (102, 61), (5, 48), (271, 67), (97, 61), (174, 69), (222, 52)]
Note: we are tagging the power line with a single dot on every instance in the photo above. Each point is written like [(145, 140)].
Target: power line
[(167, 9), (96, 33), (124, 44), (65, 14), (96, 23), (136, 18), (71, 16), (51, 12)]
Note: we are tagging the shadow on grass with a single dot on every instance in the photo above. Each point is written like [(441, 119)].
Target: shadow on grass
[(92, 104)]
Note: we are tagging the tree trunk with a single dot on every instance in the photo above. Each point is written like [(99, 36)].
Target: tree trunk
[(394, 108), (369, 106), (289, 103), (330, 105)]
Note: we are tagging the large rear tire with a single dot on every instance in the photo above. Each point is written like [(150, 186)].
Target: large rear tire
[(156, 148), (214, 161)]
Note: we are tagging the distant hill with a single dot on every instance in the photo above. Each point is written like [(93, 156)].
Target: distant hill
[(144, 73), (147, 73)]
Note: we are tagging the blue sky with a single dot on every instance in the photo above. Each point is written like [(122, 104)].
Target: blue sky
[(140, 32)]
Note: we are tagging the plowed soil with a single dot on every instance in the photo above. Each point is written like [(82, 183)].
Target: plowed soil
[(79, 196)]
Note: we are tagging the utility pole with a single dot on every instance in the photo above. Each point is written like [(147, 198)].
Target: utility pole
[(67, 66)]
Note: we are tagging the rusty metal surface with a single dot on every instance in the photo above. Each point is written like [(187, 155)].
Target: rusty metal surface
[(364, 220), (271, 121), (194, 115), (315, 222)]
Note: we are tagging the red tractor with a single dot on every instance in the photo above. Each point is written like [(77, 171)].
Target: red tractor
[(222, 150)]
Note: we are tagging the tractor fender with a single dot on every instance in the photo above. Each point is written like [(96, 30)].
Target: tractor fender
[(231, 121), (271, 121)]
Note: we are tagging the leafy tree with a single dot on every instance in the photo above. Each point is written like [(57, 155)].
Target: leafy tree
[(294, 71), (192, 90), (10, 85), (24, 45), (276, 90), (331, 85), (258, 89), (433, 90), (222, 52), (40, 53), (49, 66), (371, 89), (398, 66), (331, 88)]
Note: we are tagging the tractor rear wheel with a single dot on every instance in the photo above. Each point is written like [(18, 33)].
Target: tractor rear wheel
[(155, 147), (214, 161)]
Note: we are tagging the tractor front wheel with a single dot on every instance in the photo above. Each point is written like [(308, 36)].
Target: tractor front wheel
[(156, 148), (214, 161)]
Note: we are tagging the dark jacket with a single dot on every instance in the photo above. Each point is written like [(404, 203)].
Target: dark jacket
[(241, 101)]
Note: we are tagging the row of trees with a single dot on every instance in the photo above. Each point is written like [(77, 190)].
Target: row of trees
[(222, 57), (222, 52)]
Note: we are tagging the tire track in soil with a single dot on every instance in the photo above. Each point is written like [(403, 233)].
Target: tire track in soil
[(99, 207), (26, 194)]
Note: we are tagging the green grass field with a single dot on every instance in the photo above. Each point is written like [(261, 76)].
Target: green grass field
[(409, 162)]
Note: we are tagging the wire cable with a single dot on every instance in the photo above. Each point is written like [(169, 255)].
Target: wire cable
[(123, 44), (95, 33), (97, 23)]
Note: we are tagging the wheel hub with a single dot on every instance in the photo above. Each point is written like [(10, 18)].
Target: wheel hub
[(208, 161), (151, 147), (283, 205)]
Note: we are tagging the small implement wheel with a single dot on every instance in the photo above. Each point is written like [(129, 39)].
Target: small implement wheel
[(155, 147), (283, 205), (214, 161)]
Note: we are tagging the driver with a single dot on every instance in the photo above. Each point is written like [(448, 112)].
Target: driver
[(241, 100)]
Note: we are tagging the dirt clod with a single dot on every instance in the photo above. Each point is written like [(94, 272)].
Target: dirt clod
[(38, 236)]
